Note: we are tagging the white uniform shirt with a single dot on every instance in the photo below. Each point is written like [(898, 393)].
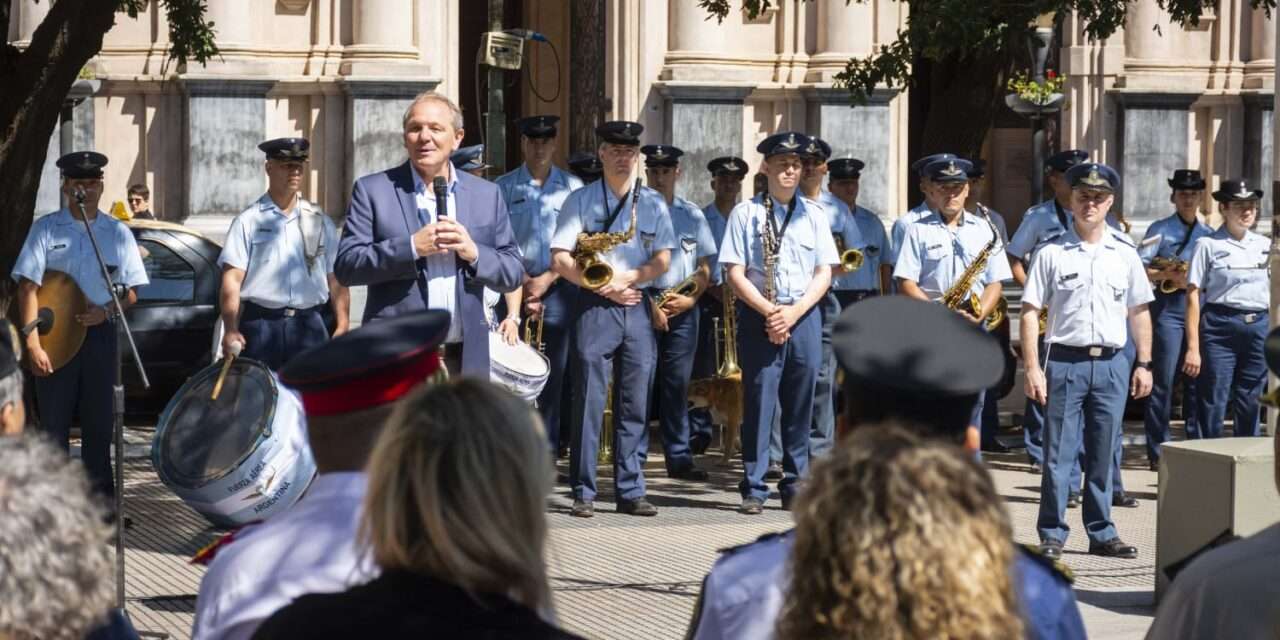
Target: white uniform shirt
[(805, 244), (442, 268), (311, 548), (1088, 289), (268, 245), (1232, 272), (589, 208), (934, 255), (59, 242), (742, 595), (693, 242)]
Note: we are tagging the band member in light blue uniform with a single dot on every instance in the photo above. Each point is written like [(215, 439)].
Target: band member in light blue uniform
[(1228, 299), (866, 234)]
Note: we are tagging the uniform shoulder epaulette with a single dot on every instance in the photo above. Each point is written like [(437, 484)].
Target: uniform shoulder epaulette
[(1056, 566), (1122, 236), (1054, 235), (728, 551), (204, 557)]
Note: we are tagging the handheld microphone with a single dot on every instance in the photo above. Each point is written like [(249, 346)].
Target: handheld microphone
[(441, 187)]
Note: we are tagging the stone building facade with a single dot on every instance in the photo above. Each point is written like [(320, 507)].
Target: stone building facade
[(340, 72)]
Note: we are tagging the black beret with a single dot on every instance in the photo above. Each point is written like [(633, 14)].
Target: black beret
[(782, 143), (370, 366), (468, 158), (1093, 175), (585, 165), (953, 170), (817, 148), (82, 165), (538, 126), (903, 344), (658, 155), (845, 168), (1187, 180), (288, 149), (621, 132), (728, 164), (1236, 191), (1064, 160), (918, 166)]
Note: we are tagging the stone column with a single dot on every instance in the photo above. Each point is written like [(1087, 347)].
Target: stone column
[(1154, 140), (702, 51), (705, 122), (865, 132), (382, 39), (845, 30), (226, 121), (375, 116), (234, 20)]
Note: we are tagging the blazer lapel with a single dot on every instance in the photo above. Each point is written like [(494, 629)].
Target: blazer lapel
[(403, 181)]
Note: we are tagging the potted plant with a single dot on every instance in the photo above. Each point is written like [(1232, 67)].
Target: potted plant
[(1035, 98)]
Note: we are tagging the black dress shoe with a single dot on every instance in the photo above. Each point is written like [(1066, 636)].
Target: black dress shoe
[(1123, 500), (1114, 548), (774, 472), (637, 507), (1073, 500), (689, 473), (1051, 549), (751, 507), (582, 509), (995, 447)]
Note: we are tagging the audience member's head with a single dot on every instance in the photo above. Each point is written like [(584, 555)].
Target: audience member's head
[(915, 363), (55, 568), (900, 536), (458, 482), (12, 411)]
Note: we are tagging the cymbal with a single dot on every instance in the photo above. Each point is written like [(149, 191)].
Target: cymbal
[(60, 294)]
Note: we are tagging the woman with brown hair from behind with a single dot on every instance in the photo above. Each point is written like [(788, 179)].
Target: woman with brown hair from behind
[(899, 537), (454, 517)]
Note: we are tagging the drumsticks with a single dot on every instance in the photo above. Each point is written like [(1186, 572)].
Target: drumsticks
[(226, 367)]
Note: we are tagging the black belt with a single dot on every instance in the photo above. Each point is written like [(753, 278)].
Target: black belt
[(1092, 351), (1249, 315), (259, 311)]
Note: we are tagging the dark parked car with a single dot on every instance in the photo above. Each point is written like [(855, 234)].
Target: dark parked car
[(176, 316)]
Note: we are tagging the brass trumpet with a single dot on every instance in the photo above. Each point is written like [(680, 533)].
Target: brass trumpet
[(850, 259), (597, 273), (1167, 286), (533, 333)]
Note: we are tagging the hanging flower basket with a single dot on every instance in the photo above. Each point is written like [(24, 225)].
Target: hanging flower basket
[(1034, 109), (1033, 98)]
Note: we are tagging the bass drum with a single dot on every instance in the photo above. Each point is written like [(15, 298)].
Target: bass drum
[(517, 367), (240, 458)]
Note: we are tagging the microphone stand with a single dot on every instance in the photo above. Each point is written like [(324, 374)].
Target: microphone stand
[(115, 314)]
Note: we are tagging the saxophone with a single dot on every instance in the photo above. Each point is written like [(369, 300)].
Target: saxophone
[(960, 293), (1160, 264), (770, 243), (595, 272)]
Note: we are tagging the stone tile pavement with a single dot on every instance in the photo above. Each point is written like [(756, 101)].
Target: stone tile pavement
[(617, 576)]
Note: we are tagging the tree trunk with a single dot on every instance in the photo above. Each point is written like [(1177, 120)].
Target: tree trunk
[(964, 96), (586, 73), (35, 83)]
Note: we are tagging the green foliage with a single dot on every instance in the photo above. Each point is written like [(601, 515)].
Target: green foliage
[(191, 37), (1040, 93)]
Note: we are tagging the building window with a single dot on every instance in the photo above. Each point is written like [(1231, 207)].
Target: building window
[(173, 280)]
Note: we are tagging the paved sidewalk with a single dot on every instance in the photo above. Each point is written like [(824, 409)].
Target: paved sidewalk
[(617, 576)]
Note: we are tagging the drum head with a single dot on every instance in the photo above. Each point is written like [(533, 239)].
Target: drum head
[(201, 440), (518, 358)]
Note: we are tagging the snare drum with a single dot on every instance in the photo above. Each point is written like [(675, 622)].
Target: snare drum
[(240, 458), (517, 367)]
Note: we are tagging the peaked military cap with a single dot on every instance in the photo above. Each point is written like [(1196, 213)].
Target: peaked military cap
[(728, 164), (918, 166), (1187, 180), (620, 132), (660, 155), (10, 349), (1093, 175), (817, 148), (977, 168), (82, 165), (953, 170), (845, 168), (903, 344), (538, 126), (1236, 191), (1064, 160), (370, 366), (782, 143), (468, 158), (292, 149), (585, 165)]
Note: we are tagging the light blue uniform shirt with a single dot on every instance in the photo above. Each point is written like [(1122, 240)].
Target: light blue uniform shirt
[(806, 244), (267, 244), (533, 210), (718, 222), (1088, 289), (1039, 225), (1165, 236), (743, 593), (589, 208), (867, 235), (935, 255), (693, 242), (1232, 272), (836, 210), (442, 268), (59, 242), (898, 233)]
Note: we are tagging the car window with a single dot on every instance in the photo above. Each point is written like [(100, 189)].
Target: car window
[(172, 278)]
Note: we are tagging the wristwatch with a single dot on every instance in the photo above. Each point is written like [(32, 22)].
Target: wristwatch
[(1143, 365)]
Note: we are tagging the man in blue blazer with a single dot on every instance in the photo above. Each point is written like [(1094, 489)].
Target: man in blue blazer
[(413, 257)]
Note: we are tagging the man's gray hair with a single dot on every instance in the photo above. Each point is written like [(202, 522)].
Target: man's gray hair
[(432, 96), (10, 389), (55, 566)]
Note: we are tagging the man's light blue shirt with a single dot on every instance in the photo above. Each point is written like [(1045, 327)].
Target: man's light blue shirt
[(934, 255), (269, 245), (59, 242), (805, 244), (867, 235), (534, 208), (589, 208), (693, 242)]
